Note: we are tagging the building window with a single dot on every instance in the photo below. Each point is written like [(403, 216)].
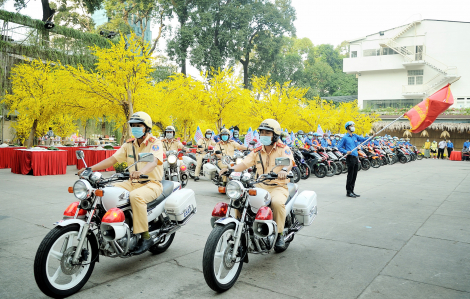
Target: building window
[(388, 51), (415, 77), (371, 52), (401, 103), (353, 54)]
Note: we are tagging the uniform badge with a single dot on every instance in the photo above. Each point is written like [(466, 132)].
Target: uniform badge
[(155, 148), (287, 152)]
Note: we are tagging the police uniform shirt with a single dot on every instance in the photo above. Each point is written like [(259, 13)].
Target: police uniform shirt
[(171, 145), (228, 147), (206, 142), (279, 150), (149, 145)]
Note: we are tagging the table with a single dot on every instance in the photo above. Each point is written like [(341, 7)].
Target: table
[(6, 154), (71, 158), (39, 162), (92, 157), (456, 156)]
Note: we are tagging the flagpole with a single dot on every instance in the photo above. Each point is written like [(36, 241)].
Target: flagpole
[(368, 139)]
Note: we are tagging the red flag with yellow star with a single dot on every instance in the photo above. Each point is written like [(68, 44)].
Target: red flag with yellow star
[(425, 113)]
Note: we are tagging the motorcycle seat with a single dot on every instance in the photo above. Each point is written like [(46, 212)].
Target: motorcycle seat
[(167, 190), (292, 188)]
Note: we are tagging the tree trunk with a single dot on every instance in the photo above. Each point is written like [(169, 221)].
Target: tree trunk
[(245, 72), (130, 111), (32, 134), (183, 66)]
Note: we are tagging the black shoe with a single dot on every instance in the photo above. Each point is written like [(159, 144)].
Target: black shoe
[(280, 241), (350, 195), (196, 178), (357, 195), (144, 246)]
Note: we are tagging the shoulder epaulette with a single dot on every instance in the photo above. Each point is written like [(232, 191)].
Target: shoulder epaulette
[(152, 139), (257, 149), (280, 144), (130, 140)]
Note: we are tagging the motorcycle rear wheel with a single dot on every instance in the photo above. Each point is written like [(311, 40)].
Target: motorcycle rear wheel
[(403, 159), (320, 171), (57, 248), (331, 169), (374, 163), (296, 173), (217, 247), (420, 156), (162, 246)]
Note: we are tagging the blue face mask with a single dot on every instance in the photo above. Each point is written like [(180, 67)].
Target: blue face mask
[(283, 139), (265, 140), (137, 132), (224, 137)]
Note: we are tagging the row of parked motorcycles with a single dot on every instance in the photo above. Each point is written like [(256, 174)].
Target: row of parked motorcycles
[(329, 161)]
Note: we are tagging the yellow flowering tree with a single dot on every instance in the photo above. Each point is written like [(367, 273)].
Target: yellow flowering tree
[(120, 85), (38, 98)]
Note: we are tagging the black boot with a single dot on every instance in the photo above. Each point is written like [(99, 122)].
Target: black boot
[(350, 194), (280, 241), (144, 246), (196, 178), (357, 195)]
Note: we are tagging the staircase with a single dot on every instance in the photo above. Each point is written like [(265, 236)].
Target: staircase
[(445, 74)]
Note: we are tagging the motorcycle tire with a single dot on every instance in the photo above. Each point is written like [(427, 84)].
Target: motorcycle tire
[(365, 164), (331, 169), (163, 245), (339, 168), (320, 171), (344, 167), (192, 170), (296, 173), (359, 165), (208, 259), (384, 160), (47, 253), (408, 158), (374, 163), (420, 156), (304, 171), (414, 157), (403, 159)]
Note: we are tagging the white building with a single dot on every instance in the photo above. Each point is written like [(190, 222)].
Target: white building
[(401, 66)]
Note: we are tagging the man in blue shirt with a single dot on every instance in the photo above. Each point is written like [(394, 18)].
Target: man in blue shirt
[(347, 145), (450, 148), (465, 150), (235, 137), (324, 142)]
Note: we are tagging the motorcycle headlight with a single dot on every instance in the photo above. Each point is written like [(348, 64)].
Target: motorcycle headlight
[(82, 189), (95, 176), (239, 160), (172, 159), (234, 189)]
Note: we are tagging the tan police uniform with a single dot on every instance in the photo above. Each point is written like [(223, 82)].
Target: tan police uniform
[(205, 142), (279, 193), (141, 194), (228, 149), (172, 144)]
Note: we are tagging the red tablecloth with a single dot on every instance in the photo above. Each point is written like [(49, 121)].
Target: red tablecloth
[(455, 156), (41, 162), (6, 154), (92, 157)]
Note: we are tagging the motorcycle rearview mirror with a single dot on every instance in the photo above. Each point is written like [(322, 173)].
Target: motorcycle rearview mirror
[(146, 157), (79, 154)]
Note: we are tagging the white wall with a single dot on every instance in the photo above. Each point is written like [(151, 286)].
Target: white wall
[(382, 78)]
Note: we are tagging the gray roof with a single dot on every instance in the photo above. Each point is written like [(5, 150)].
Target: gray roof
[(339, 99)]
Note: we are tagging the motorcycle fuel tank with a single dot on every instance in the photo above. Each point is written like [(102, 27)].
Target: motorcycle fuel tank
[(262, 198), (115, 197)]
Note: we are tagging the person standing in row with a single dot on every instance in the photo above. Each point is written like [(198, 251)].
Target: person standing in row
[(450, 148), (465, 150), (434, 149), (440, 151), (347, 145), (427, 147)]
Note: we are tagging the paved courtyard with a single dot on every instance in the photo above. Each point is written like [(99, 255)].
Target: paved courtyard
[(407, 236)]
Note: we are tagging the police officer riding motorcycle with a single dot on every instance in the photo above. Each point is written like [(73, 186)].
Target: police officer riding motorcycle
[(203, 146)]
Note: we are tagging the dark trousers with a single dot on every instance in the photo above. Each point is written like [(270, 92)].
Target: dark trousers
[(449, 151), (440, 153), (353, 166)]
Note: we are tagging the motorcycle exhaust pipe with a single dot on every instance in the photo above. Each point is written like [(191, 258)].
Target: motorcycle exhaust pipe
[(291, 234)]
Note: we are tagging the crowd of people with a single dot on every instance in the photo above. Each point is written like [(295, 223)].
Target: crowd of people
[(436, 150)]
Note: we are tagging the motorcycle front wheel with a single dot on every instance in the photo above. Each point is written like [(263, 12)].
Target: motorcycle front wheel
[(420, 156), (365, 164), (54, 272), (320, 171), (403, 159), (339, 168), (296, 173), (374, 163), (331, 169), (220, 272), (304, 171)]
